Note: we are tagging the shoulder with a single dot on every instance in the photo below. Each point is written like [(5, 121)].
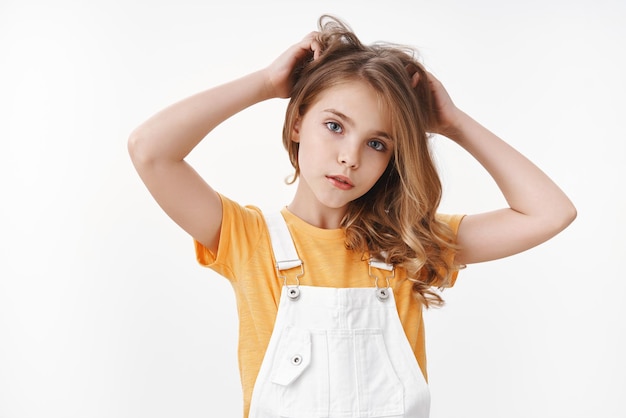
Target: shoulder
[(242, 227), (452, 221), (235, 215)]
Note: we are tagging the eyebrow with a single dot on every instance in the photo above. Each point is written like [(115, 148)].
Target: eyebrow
[(350, 121)]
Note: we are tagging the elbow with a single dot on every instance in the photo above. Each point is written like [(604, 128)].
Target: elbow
[(564, 217), (138, 149), (569, 215), (134, 144)]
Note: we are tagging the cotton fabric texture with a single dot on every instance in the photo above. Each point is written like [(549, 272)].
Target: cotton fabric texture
[(245, 258)]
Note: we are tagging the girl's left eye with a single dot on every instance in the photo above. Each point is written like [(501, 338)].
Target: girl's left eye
[(377, 145), (334, 126)]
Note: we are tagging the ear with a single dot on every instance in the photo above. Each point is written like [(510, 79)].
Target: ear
[(295, 132)]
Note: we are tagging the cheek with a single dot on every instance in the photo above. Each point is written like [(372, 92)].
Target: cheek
[(306, 156), (380, 162)]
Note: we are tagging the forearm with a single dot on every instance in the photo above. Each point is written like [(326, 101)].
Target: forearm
[(526, 188), (173, 132)]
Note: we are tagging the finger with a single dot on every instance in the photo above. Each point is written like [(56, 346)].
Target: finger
[(309, 39), (415, 79), (314, 44), (316, 48), (431, 78), (413, 73)]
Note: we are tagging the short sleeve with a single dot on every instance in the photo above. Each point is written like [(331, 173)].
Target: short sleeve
[(240, 232), (453, 222)]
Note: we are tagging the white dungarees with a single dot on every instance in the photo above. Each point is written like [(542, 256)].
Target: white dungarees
[(335, 353)]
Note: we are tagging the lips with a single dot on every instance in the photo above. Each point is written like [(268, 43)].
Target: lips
[(341, 182)]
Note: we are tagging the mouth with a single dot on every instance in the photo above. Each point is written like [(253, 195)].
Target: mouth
[(341, 182)]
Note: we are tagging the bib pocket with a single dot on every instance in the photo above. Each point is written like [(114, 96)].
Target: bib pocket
[(336, 373), (297, 377), (381, 393), (293, 356)]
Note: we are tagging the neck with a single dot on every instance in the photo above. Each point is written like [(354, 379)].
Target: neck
[(326, 218)]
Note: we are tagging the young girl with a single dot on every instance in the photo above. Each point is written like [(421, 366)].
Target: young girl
[(330, 289)]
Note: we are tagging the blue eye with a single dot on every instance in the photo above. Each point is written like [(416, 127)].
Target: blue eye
[(377, 145), (334, 127)]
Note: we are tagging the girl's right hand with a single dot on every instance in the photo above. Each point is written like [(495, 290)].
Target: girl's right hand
[(279, 73)]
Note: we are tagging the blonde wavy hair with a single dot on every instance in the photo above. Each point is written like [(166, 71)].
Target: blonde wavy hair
[(395, 220)]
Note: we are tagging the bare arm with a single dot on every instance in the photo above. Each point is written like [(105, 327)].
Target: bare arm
[(538, 208), (159, 146)]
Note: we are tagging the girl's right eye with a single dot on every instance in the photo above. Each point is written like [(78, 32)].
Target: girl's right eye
[(334, 127)]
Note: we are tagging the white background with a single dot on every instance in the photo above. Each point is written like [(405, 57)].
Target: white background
[(103, 309)]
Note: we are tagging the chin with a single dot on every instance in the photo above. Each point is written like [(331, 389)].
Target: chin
[(337, 205)]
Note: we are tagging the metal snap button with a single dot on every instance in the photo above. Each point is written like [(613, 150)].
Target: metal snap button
[(382, 293), (293, 293), (296, 360)]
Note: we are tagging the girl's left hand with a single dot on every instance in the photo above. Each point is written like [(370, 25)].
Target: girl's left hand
[(448, 115)]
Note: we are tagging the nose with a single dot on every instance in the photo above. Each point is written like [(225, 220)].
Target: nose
[(349, 155)]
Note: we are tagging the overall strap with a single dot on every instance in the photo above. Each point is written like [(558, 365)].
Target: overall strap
[(285, 250), (380, 264), (282, 243)]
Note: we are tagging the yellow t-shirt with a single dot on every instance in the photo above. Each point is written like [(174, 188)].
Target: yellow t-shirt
[(245, 257)]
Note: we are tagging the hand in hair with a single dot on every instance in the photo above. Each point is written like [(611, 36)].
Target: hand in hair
[(538, 208), (446, 112), (279, 74)]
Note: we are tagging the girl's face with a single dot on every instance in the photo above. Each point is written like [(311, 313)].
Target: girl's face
[(344, 147)]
